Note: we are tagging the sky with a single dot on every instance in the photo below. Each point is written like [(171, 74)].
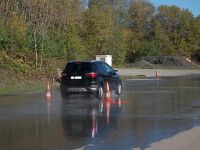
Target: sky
[(192, 5)]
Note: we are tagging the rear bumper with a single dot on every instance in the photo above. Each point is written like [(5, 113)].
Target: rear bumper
[(80, 89)]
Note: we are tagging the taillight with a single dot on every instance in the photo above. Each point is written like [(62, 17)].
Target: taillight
[(91, 75), (63, 75)]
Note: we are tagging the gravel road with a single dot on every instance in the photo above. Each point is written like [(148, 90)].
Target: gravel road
[(152, 72)]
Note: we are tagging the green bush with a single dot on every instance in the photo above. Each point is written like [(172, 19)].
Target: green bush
[(13, 64)]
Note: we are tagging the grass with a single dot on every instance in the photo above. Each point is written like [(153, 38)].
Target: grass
[(15, 86), (12, 81), (19, 89), (126, 77)]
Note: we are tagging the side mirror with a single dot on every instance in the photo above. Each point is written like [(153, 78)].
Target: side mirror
[(113, 72), (116, 71)]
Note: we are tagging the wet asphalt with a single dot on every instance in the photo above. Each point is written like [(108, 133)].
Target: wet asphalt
[(149, 110)]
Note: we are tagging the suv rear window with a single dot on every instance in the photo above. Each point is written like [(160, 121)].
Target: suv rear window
[(78, 67)]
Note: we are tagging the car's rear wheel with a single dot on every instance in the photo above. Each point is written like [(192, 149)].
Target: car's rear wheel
[(100, 92), (119, 89)]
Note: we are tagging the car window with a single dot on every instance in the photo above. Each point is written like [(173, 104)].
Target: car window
[(78, 67), (107, 68), (99, 68), (103, 68)]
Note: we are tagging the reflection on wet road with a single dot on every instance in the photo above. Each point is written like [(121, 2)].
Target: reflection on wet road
[(148, 111)]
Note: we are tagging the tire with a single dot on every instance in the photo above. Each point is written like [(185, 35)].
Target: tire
[(100, 92), (119, 89)]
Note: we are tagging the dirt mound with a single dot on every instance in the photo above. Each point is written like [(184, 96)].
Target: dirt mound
[(143, 64), (165, 62)]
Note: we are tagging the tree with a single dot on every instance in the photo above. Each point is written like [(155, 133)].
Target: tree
[(96, 31), (17, 32), (173, 29), (141, 14), (49, 19), (196, 36)]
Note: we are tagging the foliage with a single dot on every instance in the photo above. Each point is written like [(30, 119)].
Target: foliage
[(96, 31), (14, 64), (174, 30), (35, 31), (146, 48)]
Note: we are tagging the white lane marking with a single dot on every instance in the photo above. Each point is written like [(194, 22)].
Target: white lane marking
[(84, 147)]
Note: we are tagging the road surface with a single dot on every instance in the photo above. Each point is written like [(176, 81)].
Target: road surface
[(148, 113)]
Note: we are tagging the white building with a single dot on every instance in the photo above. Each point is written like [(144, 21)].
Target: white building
[(105, 58)]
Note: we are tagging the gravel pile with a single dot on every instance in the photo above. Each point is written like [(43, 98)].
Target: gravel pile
[(165, 62)]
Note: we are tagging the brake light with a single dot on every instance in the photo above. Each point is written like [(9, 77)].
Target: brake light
[(91, 75), (63, 75)]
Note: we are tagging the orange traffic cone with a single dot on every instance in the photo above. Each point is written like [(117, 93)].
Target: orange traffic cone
[(157, 74), (48, 91), (108, 97), (107, 102)]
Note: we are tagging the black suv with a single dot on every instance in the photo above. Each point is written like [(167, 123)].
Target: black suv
[(89, 77)]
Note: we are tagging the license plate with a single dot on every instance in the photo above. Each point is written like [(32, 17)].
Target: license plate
[(76, 77)]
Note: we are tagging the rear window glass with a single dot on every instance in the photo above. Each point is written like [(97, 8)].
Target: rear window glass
[(78, 67)]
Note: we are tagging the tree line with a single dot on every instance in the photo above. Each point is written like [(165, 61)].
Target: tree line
[(36, 30)]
